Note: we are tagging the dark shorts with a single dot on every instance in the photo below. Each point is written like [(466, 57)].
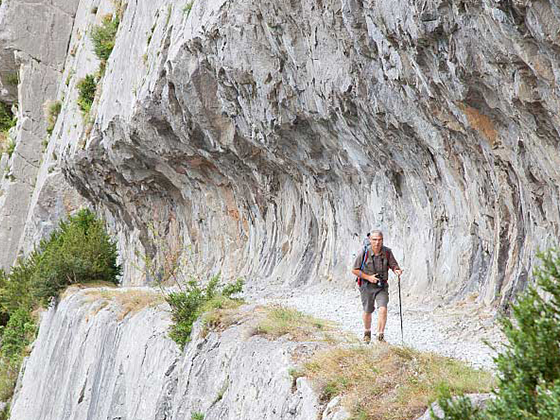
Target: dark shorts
[(372, 295)]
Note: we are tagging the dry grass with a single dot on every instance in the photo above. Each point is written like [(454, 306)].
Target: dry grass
[(390, 383), (279, 321), (129, 301), (3, 142), (70, 290), (221, 312)]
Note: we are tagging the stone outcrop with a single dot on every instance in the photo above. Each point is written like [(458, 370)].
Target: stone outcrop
[(93, 361), (34, 38), (272, 135)]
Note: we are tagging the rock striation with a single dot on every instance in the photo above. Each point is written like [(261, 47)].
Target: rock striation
[(34, 38), (272, 135), (92, 361)]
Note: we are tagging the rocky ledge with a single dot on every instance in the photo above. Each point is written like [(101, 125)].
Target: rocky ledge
[(97, 358)]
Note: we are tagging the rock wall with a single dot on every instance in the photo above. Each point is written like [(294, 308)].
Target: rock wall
[(34, 38), (93, 361), (272, 135)]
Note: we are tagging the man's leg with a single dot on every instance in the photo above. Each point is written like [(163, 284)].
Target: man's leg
[(368, 306), (367, 326), (367, 321), (381, 320), (382, 300)]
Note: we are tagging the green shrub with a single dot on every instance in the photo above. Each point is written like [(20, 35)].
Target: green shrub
[(17, 335), (5, 413), (79, 251), (529, 367), (86, 92), (12, 79), (197, 416), (7, 117), (15, 289), (231, 289), (188, 304), (103, 37), (52, 111)]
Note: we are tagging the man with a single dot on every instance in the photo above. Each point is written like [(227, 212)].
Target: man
[(372, 267)]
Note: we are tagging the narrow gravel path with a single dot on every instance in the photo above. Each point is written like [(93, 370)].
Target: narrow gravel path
[(456, 331)]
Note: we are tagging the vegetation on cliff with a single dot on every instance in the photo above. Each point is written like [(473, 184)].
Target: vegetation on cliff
[(193, 300), (528, 385), (103, 39), (281, 321), (7, 118), (7, 121), (78, 251), (389, 382), (52, 110), (86, 92), (178, 267)]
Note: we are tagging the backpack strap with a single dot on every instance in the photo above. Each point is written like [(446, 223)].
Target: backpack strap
[(386, 262), (364, 259)]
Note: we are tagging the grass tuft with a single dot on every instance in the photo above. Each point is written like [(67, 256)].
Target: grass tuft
[(390, 383), (103, 37), (10, 147), (52, 110), (220, 312), (281, 321), (130, 301)]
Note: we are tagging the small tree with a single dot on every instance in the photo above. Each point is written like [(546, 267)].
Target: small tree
[(79, 251), (529, 366)]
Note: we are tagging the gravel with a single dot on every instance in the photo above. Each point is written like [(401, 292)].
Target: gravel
[(454, 330)]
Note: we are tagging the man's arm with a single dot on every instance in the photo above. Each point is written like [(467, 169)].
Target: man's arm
[(393, 265), (357, 271)]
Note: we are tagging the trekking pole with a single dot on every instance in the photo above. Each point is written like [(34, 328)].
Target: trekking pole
[(400, 309)]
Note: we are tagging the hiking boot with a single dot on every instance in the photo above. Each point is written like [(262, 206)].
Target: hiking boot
[(381, 337), (367, 337)]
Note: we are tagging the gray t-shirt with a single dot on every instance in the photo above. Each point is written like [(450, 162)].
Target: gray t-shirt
[(379, 264)]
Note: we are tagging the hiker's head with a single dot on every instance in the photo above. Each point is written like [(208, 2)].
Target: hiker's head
[(376, 240)]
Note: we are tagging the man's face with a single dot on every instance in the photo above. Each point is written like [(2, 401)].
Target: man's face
[(376, 241)]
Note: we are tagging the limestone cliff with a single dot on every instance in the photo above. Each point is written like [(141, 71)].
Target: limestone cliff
[(94, 359), (273, 134), (34, 38)]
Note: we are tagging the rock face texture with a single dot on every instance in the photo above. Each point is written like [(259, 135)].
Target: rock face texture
[(272, 135), (93, 362), (34, 38)]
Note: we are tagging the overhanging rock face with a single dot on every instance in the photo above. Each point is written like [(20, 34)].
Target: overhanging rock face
[(272, 135), (93, 362)]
